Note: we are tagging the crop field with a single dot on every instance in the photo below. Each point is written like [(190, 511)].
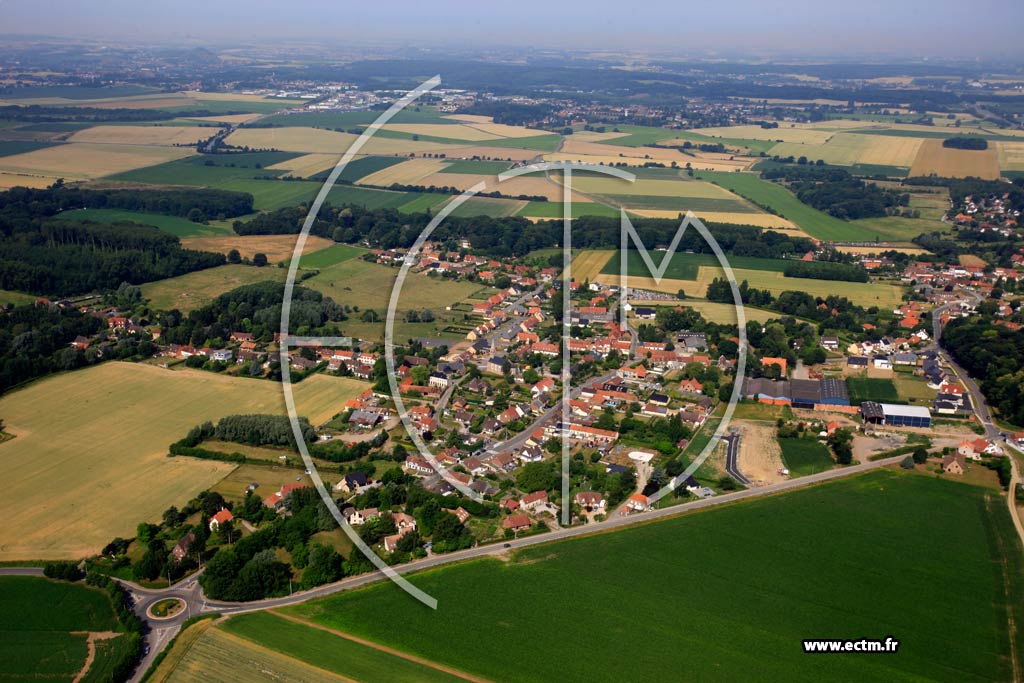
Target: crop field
[(475, 167), (143, 135), (955, 163), (485, 206), (879, 389), (205, 170), (1011, 155), (850, 149), (351, 119), (310, 140), (32, 180), (759, 220), (898, 228), (450, 131), (805, 456), (193, 290), (9, 147), (759, 273), (685, 266), (81, 161), (604, 152), (555, 210), (785, 132), (329, 254), (93, 443), (307, 165), (364, 165), (43, 628), (275, 247), (762, 192), (410, 172), (171, 224), (935, 531), (590, 263)]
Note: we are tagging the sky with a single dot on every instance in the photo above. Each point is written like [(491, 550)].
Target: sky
[(865, 28)]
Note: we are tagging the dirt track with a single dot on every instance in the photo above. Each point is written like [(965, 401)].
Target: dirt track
[(760, 456)]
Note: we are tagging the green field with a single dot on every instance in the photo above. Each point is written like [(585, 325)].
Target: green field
[(172, 224), (487, 206), (193, 290), (274, 194), (879, 389), (16, 298), (208, 170), (329, 651), (357, 168), (334, 254), (9, 147), (556, 210), (348, 119), (37, 617), (782, 201), (685, 266), (805, 456), (728, 594)]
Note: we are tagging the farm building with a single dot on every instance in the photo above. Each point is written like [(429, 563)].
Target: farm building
[(895, 415)]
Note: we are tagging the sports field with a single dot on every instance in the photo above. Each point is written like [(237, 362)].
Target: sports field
[(172, 224), (193, 290), (805, 456), (933, 158), (863, 388), (44, 626), (750, 580), (93, 443)]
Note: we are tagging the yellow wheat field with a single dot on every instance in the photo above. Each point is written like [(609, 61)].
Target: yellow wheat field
[(955, 163), (410, 172), (649, 187), (276, 247), (316, 140), (761, 220), (142, 135), (80, 161), (846, 149), (537, 187), (454, 131), (9, 180), (307, 164), (503, 131), (587, 265)]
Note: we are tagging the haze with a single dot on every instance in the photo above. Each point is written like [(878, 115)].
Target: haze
[(871, 28)]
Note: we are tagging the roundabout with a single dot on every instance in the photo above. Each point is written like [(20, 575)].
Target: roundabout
[(165, 609)]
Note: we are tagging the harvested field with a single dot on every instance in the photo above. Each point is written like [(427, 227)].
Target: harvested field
[(955, 163), (225, 118), (761, 220), (504, 131), (581, 150), (647, 187), (760, 455), (785, 132), (92, 443), (489, 153), (142, 135), (469, 118), (971, 260), (276, 247), (81, 161), (847, 149), (411, 172), (532, 186), (453, 131), (9, 180), (316, 140)]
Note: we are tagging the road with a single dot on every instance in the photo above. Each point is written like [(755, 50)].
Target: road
[(732, 458)]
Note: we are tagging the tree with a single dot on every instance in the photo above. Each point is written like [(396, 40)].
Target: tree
[(920, 455), (325, 566), (259, 259), (841, 441), (234, 256)]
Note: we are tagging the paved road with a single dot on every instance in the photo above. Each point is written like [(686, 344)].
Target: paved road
[(732, 458)]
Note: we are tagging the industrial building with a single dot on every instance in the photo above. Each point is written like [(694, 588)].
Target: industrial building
[(895, 415)]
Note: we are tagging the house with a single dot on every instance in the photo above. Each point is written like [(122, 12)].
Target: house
[(356, 517), (781, 362), (416, 464), (221, 517), (590, 500), (181, 548), (460, 513), (274, 501), (691, 386), (638, 502), (830, 343), (953, 464), (352, 482), (882, 362), (645, 313), (510, 504), (439, 380), (516, 523), (534, 500)]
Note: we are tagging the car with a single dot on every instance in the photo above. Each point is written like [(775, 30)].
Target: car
[(146, 651), (507, 545), (298, 478)]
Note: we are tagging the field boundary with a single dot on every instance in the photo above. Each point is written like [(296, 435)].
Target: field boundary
[(383, 648)]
